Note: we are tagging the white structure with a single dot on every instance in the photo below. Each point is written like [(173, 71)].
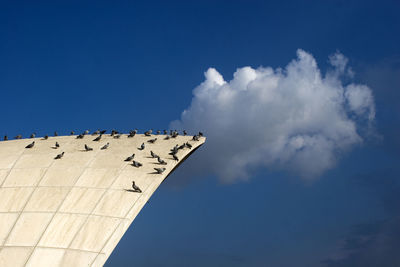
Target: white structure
[(73, 211)]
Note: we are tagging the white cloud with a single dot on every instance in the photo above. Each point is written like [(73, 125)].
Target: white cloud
[(294, 119)]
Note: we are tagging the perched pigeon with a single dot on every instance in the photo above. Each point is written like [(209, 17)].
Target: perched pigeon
[(5, 138), (175, 157), (33, 135), (18, 136), (141, 147), (105, 146), (167, 137), (59, 156), (130, 157), (161, 161), (195, 138), (103, 131), (57, 145), (96, 132), (200, 134), (97, 138), (88, 148), (188, 145), (80, 136), (153, 155), (30, 145), (184, 132), (55, 134), (136, 164), (135, 187), (148, 133), (165, 132), (158, 132), (46, 137), (152, 141), (117, 136), (182, 146), (132, 133), (159, 170)]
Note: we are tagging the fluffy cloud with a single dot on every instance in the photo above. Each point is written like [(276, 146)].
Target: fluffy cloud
[(293, 118)]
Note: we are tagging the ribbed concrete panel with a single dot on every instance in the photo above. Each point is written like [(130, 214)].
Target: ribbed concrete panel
[(73, 211)]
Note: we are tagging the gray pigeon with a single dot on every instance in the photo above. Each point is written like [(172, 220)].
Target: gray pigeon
[(33, 135), (158, 132), (80, 136), (184, 132), (135, 187), (30, 145), (55, 134), (153, 155), (136, 164), (105, 146), (175, 157), (46, 137), (167, 137), (117, 136), (59, 156), (5, 138), (162, 162), (165, 132), (18, 136), (57, 145), (130, 157), (141, 147), (159, 170), (97, 138), (152, 141), (88, 148)]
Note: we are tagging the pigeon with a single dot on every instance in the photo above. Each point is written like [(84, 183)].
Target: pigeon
[(57, 145), (55, 134), (132, 133), (96, 132), (141, 147), (103, 131), (136, 164), (135, 187), (182, 146), (130, 157), (33, 135), (174, 134), (88, 148), (117, 136), (161, 161), (165, 132), (152, 141), (97, 138), (175, 157), (148, 133), (195, 138), (167, 137), (158, 132), (80, 136), (18, 136), (188, 145), (113, 132), (5, 138), (105, 146), (30, 145), (159, 170), (59, 156), (153, 155), (184, 132), (45, 137), (200, 134), (72, 133)]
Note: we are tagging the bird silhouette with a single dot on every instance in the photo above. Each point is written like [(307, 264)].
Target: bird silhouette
[(175, 157), (162, 162), (56, 145), (130, 157), (88, 148), (97, 138), (152, 141), (105, 146), (30, 145), (141, 147), (136, 164), (135, 187), (59, 156), (159, 170)]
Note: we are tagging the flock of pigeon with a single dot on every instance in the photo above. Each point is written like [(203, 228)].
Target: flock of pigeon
[(173, 152)]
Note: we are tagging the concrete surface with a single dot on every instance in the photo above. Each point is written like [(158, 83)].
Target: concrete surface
[(73, 211)]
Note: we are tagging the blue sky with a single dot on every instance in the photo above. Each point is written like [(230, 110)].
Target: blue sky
[(91, 64)]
